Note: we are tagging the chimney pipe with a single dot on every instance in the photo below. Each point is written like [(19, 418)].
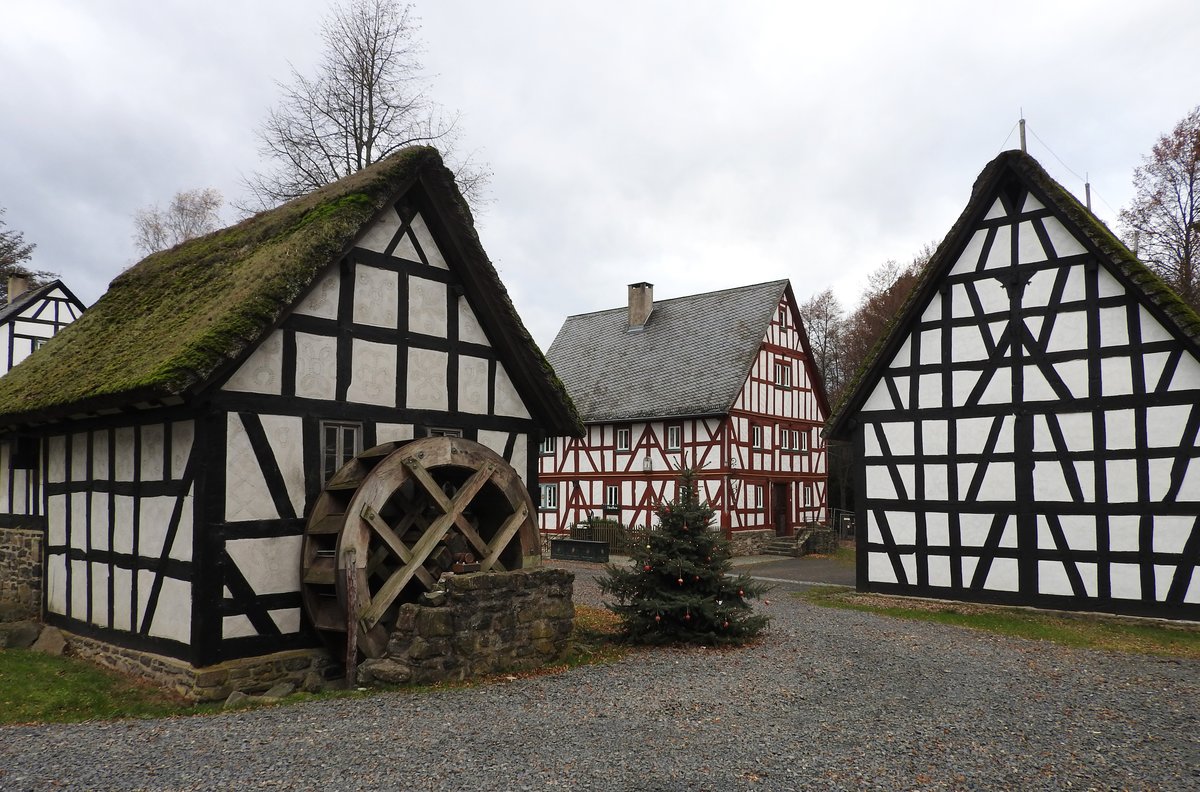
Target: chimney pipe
[(18, 284), (641, 303)]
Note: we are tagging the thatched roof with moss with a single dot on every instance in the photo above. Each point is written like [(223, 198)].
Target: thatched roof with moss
[(183, 317), (1156, 295)]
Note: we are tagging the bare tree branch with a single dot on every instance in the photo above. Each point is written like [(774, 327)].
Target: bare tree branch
[(1163, 221), (367, 100), (190, 214)]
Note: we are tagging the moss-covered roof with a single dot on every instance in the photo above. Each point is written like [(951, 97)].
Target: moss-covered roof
[(1098, 239), (172, 322)]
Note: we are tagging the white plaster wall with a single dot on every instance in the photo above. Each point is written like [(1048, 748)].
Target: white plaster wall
[(246, 493), (262, 372), (285, 433), (123, 582), (271, 565), (427, 389), (173, 613), (373, 373), (520, 457), (56, 584), (472, 385), (237, 627), (153, 452), (381, 232), (469, 328), (508, 401), (427, 307), (376, 295), (389, 432), (182, 435), (316, 367), (322, 301), (154, 519), (99, 594), (432, 252), (79, 590)]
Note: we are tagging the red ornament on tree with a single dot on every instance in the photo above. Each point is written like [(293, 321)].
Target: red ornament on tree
[(646, 568), (658, 617), (680, 581), (696, 578), (741, 593), (687, 616), (725, 625)]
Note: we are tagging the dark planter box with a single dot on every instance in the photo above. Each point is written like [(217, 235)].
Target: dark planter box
[(579, 550)]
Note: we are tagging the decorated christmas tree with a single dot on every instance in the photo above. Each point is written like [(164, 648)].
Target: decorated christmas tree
[(678, 589)]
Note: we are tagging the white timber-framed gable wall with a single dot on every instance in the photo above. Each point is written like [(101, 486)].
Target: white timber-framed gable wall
[(386, 338), (1034, 437), (717, 446), (36, 323)]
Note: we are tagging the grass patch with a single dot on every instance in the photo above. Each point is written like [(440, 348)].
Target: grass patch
[(40, 688), (36, 687), (1086, 631)]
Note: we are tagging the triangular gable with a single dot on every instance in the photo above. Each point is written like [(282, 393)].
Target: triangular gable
[(1050, 225), (183, 319)]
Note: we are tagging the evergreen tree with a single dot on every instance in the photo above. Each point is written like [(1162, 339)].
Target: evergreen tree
[(677, 589)]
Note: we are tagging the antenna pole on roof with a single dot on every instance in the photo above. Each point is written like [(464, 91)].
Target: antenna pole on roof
[(1022, 123), (1087, 190)]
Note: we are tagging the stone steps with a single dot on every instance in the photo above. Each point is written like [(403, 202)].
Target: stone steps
[(788, 546)]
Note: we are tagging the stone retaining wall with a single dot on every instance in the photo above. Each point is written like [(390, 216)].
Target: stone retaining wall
[(479, 624), (747, 543), (21, 568), (211, 683)]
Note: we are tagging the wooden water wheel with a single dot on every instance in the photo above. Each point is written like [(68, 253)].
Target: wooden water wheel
[(394, 519)]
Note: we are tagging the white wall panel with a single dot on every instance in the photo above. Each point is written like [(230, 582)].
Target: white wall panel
[(262, 372)]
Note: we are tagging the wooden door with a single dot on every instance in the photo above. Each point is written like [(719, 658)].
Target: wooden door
[(781, 507)]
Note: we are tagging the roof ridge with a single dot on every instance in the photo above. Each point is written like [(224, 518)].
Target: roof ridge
[(779, 282)]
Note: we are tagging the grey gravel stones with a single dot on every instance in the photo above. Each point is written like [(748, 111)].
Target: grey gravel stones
[(829, 699)]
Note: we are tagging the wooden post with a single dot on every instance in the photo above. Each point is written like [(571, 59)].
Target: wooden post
[(351, 558)]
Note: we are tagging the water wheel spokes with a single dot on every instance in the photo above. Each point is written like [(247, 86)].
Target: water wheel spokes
[(394, 519)]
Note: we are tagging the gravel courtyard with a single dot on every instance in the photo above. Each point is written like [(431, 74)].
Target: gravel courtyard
[(830, 700)]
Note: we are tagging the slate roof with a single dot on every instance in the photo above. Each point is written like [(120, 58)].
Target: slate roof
[(24, 299), (183, 318), (1098, 239), (691, 359)]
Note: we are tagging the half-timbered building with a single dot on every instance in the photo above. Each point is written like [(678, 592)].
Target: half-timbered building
[(34, 316), (1028, 431), (183, 426), (721, 382)]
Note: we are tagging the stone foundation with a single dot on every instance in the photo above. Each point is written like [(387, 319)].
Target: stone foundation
[(479, 624), (211, 683), (21, 568), (745, 543)]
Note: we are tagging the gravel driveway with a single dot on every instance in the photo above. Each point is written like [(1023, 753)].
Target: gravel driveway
[(830, 700)]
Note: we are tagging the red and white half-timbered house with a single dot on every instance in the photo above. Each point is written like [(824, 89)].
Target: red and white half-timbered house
[(721, 382)]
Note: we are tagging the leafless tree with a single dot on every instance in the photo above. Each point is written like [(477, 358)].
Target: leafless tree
[(190, 214), (368, 99), (824, 320), (15, 252), (1163, 221)]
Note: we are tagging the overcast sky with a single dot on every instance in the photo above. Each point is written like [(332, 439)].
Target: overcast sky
[(695, 145)]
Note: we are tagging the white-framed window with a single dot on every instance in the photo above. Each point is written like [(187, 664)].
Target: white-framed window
[(756, 437), (758, 496), (804, 440), (548, 500), (612, 498), (623, 438), (674, 438), (341, 441), (38, 343), (435, 431), (783, 317), (789, 439), (783, 373), (548, 446), (808, 496)]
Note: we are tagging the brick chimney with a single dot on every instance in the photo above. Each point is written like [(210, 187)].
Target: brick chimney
[(641, 303), (18, 284)]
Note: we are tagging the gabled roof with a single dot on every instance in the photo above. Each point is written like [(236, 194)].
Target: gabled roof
[(180, 318), (27, 298), (692, 357), (1004, 170)]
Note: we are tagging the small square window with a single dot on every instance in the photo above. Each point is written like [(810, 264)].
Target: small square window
[(548, 500), (548, 446), (674, 438), (438, 432), (783, 373), (756, 437), (38, 343), (783, 317), (340, 442), (623, 437), (612, 498)]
